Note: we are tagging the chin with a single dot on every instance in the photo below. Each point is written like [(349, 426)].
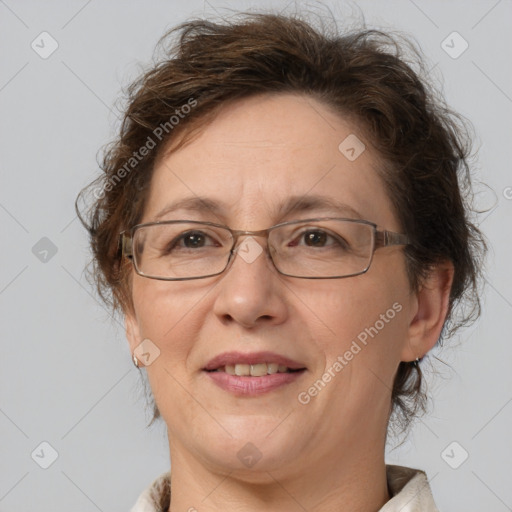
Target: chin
[(255, 448), (248, 462)]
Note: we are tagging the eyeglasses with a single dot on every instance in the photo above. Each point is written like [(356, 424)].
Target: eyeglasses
[(322, 248)]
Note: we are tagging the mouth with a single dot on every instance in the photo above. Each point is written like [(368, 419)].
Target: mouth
[(256, 364), (252, 374), (255, 370)]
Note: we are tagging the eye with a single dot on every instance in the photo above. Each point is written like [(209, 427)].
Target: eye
[(315, 238), (193, 240), (319, 238), (190, 240)]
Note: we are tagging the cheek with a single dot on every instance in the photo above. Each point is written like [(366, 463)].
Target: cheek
[(166, 315), (359, 325), (364, 318)]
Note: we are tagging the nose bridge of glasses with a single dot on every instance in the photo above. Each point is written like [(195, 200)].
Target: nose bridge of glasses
[(238, 233), (250, 253)]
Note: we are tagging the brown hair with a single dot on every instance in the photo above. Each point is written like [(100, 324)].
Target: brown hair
[(364, 75)]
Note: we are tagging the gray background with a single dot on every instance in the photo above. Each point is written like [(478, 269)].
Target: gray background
[(66, 376)]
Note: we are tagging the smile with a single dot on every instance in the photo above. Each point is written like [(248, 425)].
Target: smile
[(246, 374), (255, 370)]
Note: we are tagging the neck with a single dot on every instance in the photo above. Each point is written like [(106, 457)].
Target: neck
[(354, 481)]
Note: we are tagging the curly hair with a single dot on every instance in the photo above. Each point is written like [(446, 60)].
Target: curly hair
[(365, 75)]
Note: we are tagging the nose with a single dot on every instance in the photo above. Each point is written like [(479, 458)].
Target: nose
[(251, 292)]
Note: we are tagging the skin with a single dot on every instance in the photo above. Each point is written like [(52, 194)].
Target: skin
[(329, 454)]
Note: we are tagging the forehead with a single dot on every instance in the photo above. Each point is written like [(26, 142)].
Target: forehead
[(261, 154)]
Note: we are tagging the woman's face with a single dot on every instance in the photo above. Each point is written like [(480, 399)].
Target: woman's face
[(348, 334)]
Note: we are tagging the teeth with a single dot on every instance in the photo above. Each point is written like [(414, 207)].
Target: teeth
[(272, 368), (242, 369), (258, 370), (253, 370)]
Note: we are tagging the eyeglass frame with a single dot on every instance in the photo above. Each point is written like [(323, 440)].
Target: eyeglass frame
[(381, 238)]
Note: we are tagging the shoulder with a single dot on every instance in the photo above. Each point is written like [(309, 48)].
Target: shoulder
[(156, 497), (409, 490)]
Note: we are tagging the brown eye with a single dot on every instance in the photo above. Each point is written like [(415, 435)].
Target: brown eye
[(320, 239), (315, 238), (192, 240)]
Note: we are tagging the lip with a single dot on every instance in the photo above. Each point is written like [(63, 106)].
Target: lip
[(232, 358), (245, 385)]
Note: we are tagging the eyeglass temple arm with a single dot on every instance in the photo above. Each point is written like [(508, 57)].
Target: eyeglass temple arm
[(126, 245), (386, 238)]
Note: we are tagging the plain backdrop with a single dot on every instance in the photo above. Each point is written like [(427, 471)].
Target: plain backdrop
[(66, 377)]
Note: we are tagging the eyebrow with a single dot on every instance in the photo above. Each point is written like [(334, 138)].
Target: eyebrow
[(292, 205)]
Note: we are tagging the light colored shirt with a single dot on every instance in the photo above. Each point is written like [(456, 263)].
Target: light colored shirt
[(409, 490)]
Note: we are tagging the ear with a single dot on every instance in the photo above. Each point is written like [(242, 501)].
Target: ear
[(429, 311), (132, 330)]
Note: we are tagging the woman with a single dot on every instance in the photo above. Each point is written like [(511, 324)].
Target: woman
[(282, 225)]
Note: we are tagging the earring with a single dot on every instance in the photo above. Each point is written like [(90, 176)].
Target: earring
[(416, 361), (135, 361)]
